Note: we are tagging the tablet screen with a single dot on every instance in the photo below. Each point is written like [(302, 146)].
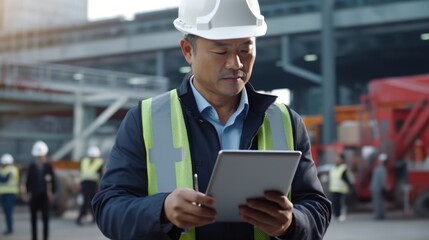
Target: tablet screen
[(239, 175)]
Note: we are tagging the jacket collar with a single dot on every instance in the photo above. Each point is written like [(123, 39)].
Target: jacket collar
[(258, 102)]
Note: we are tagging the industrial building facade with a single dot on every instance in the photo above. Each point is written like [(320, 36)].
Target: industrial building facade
[(21, 15)]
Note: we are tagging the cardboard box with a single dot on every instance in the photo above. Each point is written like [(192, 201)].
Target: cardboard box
[(349, 133)]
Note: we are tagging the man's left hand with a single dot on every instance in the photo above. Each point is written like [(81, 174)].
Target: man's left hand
[(273, 214)]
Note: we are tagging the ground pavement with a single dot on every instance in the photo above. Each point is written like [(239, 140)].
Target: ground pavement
[(357, 226)]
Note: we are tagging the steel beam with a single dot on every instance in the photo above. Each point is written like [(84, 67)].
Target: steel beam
[(289, 67), (100, 120)]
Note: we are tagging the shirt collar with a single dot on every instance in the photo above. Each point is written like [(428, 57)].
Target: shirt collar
[(203, 104)]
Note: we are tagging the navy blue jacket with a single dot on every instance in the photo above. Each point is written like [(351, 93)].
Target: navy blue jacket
[(39, 184), (124, 211)]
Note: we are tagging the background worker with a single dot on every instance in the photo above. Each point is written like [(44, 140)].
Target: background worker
[(41, 186), (378, 187), (141, 193), (340, 183), (9, 188), (91, 169)]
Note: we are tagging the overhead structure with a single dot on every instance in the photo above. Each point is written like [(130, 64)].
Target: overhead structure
[(90, 96)]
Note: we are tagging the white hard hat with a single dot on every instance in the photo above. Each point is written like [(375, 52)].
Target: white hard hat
[(6, 159), (221, 19), (382, 157), (39, 149), (93, 151)]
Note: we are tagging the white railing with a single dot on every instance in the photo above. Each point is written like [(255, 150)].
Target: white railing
[(54, 78)]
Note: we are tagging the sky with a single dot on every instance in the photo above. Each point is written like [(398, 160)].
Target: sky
[(101, 9)]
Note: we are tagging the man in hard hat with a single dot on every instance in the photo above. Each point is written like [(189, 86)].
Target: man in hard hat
[(91, 169), (40, 187), (146, 191), (9, 188), (378, 187)]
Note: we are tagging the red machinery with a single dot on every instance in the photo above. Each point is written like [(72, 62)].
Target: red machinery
[(400, 108), (392, 118)]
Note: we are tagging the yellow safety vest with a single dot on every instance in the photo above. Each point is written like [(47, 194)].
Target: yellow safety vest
[(12, 185), (336, 182), (168, 156), (89, 169)]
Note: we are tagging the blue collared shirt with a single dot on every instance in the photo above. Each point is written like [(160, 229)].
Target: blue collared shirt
[(230, 133)]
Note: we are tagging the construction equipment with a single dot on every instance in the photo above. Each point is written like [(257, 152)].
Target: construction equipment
[(392, 118)]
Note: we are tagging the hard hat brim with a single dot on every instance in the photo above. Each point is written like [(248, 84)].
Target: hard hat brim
[(235, 32)]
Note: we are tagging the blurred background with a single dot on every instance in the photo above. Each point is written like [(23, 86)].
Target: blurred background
[(356, 70)]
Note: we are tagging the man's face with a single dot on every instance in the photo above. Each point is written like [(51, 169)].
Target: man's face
[(338, 160), (221, 67), (41, 159)]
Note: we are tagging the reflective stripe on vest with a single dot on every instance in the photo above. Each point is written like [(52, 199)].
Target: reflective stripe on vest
[(168, 155), (89, 169), (277, 117), (12, 185)]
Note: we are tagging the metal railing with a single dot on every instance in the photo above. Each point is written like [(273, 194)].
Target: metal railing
[(54, 78)]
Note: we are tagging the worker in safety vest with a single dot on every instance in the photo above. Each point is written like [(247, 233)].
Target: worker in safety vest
[(340, 183), (9, 189), (91, 169), (147, 189)]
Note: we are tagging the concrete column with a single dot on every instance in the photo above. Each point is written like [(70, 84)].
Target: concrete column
[(328, 72), (160, 63), (78, 116)]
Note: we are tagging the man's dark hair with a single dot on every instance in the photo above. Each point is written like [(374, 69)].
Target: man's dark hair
[(192, 39)]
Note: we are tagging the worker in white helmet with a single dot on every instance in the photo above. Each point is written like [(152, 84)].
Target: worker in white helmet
[(9, 189), (91, 169), (147, 189), (40, 187)]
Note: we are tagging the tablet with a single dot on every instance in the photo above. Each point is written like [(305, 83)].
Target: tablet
[(239, 175)]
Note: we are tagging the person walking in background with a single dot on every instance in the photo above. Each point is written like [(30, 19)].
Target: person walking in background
[(9, 189), (91, 169), (340, 183), (378, 187), (146, 191), (41, 186)]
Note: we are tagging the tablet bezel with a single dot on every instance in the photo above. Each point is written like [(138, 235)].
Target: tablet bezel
[(243, 174)]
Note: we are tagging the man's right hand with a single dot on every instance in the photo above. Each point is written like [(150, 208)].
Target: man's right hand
[(187, 208)]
